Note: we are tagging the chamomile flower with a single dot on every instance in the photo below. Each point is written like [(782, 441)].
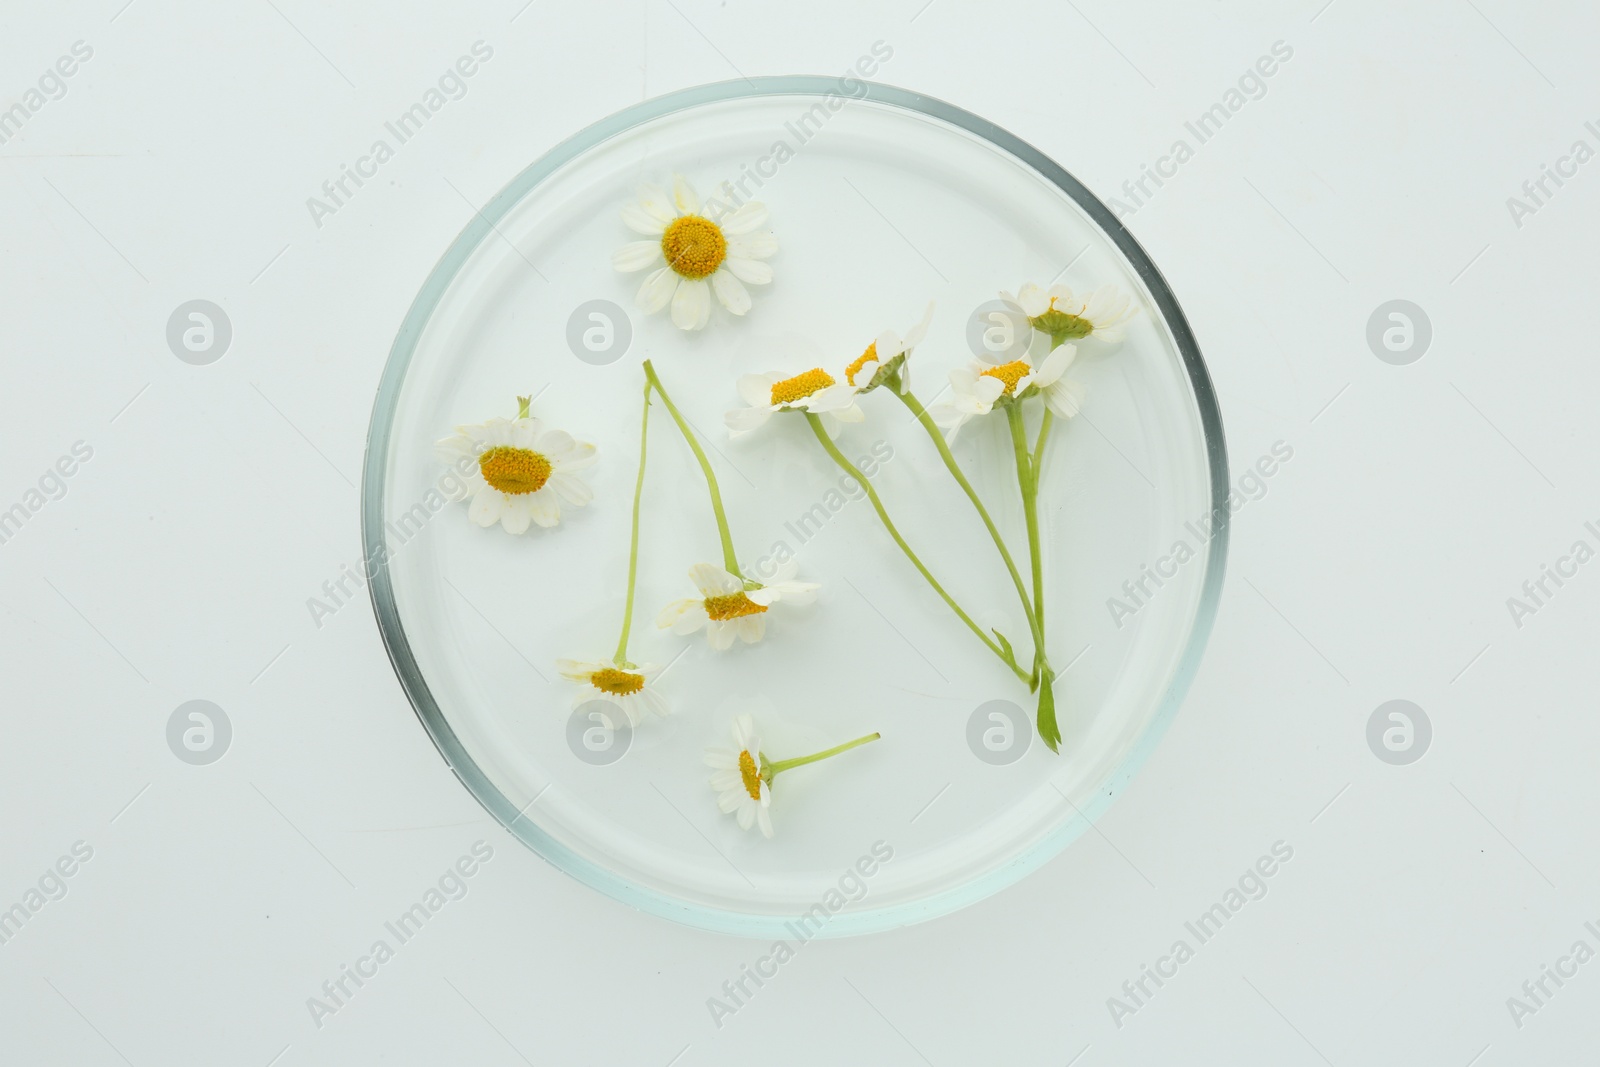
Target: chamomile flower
[(744, 774), (975, 389), (978, 387), (523, 471), (884, 356), (726, 609), (628, 687), (741, 789), (815, 391), (1067, 316), (692, 255)]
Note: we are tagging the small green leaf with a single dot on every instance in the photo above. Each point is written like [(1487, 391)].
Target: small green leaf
[(1011, 656), (1048, 730)]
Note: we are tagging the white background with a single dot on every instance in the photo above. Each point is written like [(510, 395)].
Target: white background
[(1376, 166)]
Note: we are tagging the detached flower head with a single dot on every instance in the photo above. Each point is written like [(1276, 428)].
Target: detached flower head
[(978, 387), (694, 255), (1068, 316), (523, 472), (815, 391), (885, 356), (743, 791), (725, 609), (629, 688)]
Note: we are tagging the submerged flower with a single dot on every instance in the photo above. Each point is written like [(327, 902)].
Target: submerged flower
[(523, 471), (743, 782), (693, 255), (742, 790), (978, 387), (815, 391), (1066, 316), (884, 356), (727, 609), (629, 688)]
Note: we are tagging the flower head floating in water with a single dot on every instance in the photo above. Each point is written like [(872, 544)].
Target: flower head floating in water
[(523, 471), (694, 255)]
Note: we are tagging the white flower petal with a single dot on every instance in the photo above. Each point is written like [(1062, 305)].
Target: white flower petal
[(712, 580), (649, 214), (516, 514), (691, 304), (1055, 365), (676, 610), (752, 628), (915, 335), (1065, 398), (657, 290), (653, 199), (743, 420), (582, 454), (637, 255), (731, 293), (760, 245), (544, 508), (571, 489), (756, 389), (748, 271), (684, 196), (720, 635), (746, 218), (485, 509)]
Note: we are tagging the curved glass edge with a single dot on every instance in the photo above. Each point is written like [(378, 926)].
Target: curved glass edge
[(381, 589)]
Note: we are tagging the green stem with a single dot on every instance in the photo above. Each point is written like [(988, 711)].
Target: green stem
[(1038, 444), (730, 559), (1028, 483), (621, 658), (888, 524), (926, 420), (769, 771)]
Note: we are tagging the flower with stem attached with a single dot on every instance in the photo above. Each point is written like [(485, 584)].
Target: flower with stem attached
[(883, 358), (621, 682), (979, 387), (628, 686), (523, 471), (729, 607), (815, 392), (693, 255), (744, 775), (1063, 315)]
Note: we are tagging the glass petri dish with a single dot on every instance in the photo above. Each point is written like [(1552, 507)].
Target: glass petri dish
[(882, 200)]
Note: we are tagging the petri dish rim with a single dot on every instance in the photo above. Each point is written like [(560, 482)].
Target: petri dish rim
[(381, 589)]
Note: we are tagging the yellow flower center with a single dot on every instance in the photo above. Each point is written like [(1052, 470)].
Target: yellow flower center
[(617, 683), (514, 470), (800, 386), (869, 356), (731, 606), (694, 246), (751, 775), (1008, 373)]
